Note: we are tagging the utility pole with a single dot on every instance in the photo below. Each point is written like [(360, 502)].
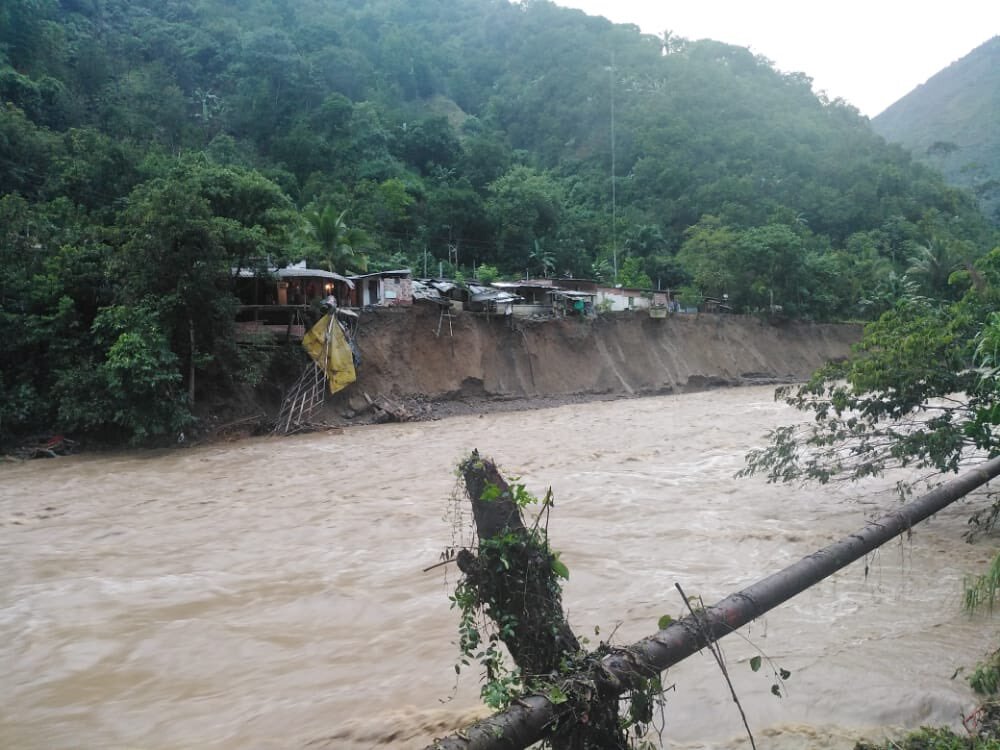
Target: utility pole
[(614, 194)]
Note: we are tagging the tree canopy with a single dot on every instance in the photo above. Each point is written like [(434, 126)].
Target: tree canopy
[(922, 391), (146, 147)]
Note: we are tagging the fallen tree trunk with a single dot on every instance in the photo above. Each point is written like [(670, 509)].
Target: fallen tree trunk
[(532, 718), (512, 579), (515, 583)]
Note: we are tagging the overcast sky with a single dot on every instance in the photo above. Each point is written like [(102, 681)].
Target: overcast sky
[(869, 52)]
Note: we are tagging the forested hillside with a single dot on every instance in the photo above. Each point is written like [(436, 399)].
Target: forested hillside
[(149, 147), (950, 123)]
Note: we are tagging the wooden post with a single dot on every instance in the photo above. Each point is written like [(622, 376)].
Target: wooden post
[(191, 367)]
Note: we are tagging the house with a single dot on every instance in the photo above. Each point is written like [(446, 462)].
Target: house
[(715, 305), (304, 285), (490, 299), (426, 290), (532, 291), (617, 299), (532, 295), (383, 289), (567, 302), (274, 301)]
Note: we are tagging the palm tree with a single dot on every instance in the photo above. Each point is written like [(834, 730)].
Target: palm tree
[(339, 244), (932, 265), (889, 290), (542, 259)]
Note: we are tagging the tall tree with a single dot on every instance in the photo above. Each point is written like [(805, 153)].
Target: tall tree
[(922, 392), (182, 234), (525, 205), (931, 266)]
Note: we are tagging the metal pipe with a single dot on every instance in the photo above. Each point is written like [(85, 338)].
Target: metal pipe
[(528, 720)]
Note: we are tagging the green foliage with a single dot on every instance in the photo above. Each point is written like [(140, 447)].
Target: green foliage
[(780, 674), (981, 591), (140, 374), (934, 739), (707, 254), (947, 123), (487, 274), (486, 621), (183, 233), (920, 391), (334, 243), (631, 275), (507, 597), (154, 146), (932, 265), (985, 678), (525, 206), (501, 683), (101, 335)]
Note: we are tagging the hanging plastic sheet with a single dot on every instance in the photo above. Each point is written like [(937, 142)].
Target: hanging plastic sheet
[(328, 347)]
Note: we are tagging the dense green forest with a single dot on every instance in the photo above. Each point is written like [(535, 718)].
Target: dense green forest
[(148, 148), (950, 122)]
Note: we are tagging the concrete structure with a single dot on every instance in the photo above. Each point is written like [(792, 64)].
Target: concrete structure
[(617, 299), (383, 289)]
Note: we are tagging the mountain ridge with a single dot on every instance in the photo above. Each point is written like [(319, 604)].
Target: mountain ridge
[(950, 123)]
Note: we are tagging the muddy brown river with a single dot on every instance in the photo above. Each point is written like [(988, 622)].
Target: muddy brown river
[(269, 593)]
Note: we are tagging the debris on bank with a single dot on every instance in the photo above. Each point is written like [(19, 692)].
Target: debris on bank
[(47, 446), (386, 409), (333, 358)]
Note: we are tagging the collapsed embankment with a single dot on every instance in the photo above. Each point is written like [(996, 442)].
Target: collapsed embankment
[(620, 355)]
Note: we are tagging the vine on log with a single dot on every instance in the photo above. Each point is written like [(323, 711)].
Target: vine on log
[(513, 578), (571, 707)]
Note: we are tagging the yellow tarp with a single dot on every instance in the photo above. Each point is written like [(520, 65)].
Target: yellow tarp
[(336, 357)]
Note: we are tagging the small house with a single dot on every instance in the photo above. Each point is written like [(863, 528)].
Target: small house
[(299, 285), (383, 289), (275, 301), (567, 302), (532, 295), (490, 299), (617, 299), (532, 291)]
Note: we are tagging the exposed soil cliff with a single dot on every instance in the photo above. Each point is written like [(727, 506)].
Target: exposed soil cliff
[(620, 355)]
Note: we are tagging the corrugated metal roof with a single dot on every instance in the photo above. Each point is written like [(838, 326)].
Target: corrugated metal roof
[(534, 283), (314, 273), (399, 272), (293, 271)]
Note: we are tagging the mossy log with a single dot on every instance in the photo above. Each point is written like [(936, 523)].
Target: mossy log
[(534, 717), (513, 574)]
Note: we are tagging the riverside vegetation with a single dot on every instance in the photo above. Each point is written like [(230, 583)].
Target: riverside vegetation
[(148, 148)]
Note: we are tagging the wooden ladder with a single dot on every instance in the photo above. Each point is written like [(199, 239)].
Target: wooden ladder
[(302, 401), (445, 313)]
